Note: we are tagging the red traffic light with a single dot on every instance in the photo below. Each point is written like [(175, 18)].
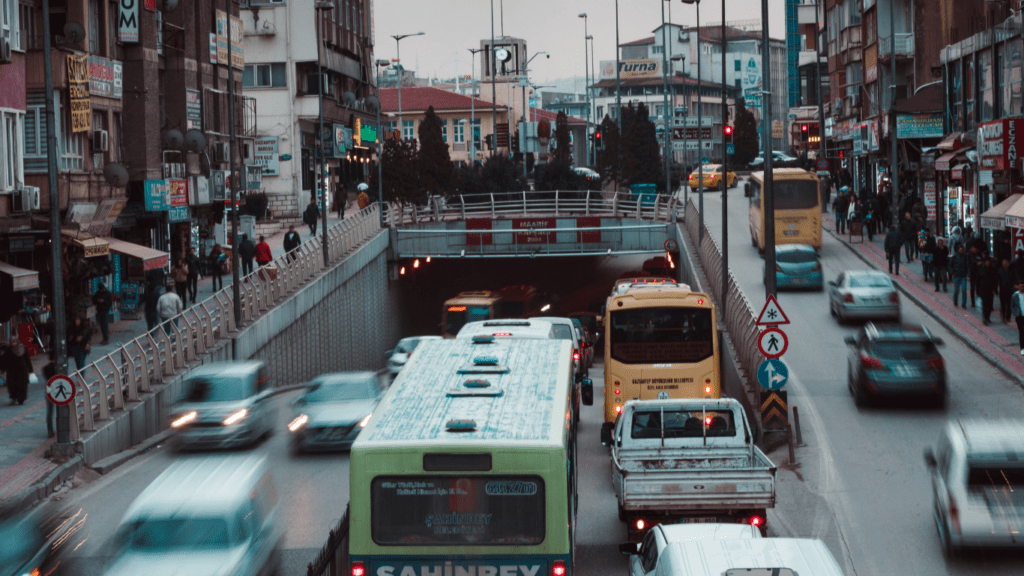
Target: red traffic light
[(728, 130), (803, 127), (597, 135), (840, 154)]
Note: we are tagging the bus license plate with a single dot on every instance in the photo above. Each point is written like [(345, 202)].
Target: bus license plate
[(699, 520), (790, 232)]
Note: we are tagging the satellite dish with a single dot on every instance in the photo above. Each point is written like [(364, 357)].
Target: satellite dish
[(348, 98), (195, 141), (116, 174), (169, 6), (74, 32), (373, 101), (173, 139)]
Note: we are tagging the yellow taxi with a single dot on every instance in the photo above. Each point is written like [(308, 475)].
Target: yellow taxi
[(712, 177)]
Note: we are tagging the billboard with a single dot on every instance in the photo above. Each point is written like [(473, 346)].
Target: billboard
[(628, 69)]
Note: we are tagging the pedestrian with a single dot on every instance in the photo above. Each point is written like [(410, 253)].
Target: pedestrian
[(1007, 281), (18, 365), (78, 341), (988, 284), (291, 242), (1017, 311), (246, 251), (840, 205), (169, 307), (263, 254), (152, 297), (974, 259), (49, 371), (940, 264), (871, 216), (928, 254), (218, 259), (192, 261), (956, 238), (892, 248), (341, 199), (179, 273), (103, 300), (959, 268), (311, 216), (909, 235)]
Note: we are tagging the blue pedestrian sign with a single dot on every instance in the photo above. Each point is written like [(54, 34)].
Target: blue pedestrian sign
[(772, 374), (730, 149), (704, 161)]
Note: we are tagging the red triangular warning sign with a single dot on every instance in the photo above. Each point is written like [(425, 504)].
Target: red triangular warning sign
[(772, 313)]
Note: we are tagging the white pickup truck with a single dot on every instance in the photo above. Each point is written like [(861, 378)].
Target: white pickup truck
[(688, 461)]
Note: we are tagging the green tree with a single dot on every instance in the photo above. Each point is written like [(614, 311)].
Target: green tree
[(399, 170), (563, 146), (500, 175), (608, 155), (434, 163), (744, 135), (640, 150), (558, 175)]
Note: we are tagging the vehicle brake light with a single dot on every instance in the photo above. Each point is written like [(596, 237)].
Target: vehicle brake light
[(894, 298), (502, 334), (869, 361), (707, 421), (755, 521), (617, 391), (640, 524), (575, 355), (936, 363), (817, 267), (707, 389), (700, 301), (778, 268), (358, 569), (558, 568), (618, 409), (848, 298)]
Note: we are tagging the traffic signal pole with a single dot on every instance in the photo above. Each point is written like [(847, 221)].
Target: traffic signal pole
[(725, 179)]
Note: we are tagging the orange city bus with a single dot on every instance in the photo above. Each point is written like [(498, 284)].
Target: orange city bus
[(797, 208), (468, 307)]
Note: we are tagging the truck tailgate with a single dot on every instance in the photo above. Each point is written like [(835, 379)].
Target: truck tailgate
[(709, 489)]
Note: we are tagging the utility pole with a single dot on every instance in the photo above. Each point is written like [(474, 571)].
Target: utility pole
[(472, 107), (667, 115), (768, 193), (821, 105), (618, 99), (320, 6), (894, 156), (586, 84), (236, 180), (494, 89), (725, 179)]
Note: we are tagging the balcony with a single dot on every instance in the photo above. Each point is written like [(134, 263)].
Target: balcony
[(904, 46)]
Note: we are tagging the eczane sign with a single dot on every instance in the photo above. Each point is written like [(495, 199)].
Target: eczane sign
[(1000, 143)]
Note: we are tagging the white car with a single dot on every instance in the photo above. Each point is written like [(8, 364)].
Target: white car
[(863, 294), (400, 354), (587, 173), (779, 160)]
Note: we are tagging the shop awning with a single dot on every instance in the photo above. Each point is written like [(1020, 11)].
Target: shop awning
[(151, 259), (1015, 214), (952, 142), (942, 162), (995, 217), (21, 279), (91, 245)]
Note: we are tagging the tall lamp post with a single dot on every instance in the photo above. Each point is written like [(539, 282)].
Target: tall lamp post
[(401, 69), (586, 83), (618, 96), (666, 117), (472, 108), (700, 130), (236, 182), (321, 6), (766, 147), (822, 153), (893, 168), (725, 178), (524, 83), (380, 146)]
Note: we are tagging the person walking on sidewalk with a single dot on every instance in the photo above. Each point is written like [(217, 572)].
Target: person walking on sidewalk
[(959, 268), (180, 275), (18, 365), (927, 254), (1017, 310), (263, 253), (974, 258), (840, 205), (311, 216), (1017, 265), (909, 234), (78, 341), (1007, 281), (892, 248), (246, 251), (341, 199), (940, 264), (218, 259), (988, 284), (103, 300), (152, 297), (871, 215), (956, 238), (291, 242), (192, 261), (169, 306)]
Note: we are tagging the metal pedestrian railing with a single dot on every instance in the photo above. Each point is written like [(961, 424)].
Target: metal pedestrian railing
[(534, 203), (134, 368), (333, 557)]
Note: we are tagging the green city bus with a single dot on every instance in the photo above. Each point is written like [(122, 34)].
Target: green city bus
[(467, 467)]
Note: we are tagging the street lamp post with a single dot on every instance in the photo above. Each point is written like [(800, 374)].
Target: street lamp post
[(700, 131), (822, 153), (491, 62), (320, 7), (236, 182), (666, 116), (766, 147), (525, 81), (725, 179), (618, 97), (472, 108), (586, 83), (380, 147), (893, 167), (401, 69)]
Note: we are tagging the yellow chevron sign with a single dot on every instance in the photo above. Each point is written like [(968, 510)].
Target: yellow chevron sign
[(774, 410)]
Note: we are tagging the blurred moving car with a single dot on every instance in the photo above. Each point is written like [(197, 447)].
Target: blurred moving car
[(895, 361), (586, 342), (591, 175), (712, 177), (797, 266), (539, 328), (565, 329), (398, 356), (40, 542), (592, 324), (333, 409), (223, 405), (977, 471), (661, 538), (863, 294), (205, 515), (779, 160)]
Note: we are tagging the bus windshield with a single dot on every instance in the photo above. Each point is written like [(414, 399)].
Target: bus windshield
[(459, 316), (795, 194), (661, 335), (446, 510)]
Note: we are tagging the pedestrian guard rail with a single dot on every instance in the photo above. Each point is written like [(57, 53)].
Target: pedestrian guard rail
[(134, 368), (659, 207), (332, 560), (740, 319)]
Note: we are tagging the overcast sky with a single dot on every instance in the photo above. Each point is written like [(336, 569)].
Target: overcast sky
[(454, 26)]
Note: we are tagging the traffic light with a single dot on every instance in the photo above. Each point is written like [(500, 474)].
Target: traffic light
[(515, 143), (840, 154), (812, 133), (728, 132), (489, 141), (803, 132), (597, 139)]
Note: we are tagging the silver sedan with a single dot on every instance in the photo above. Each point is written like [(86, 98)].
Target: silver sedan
[(333, 409), (863, 294)]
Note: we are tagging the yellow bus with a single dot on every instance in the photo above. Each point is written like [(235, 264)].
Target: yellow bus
[(797, 207), (468, 307), (661, 342)]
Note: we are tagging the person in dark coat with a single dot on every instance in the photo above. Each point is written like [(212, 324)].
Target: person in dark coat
[(928, 254), (959, 268), (940, 264), (311, 217), (192, 261), (103, 300), (1007, 280), (152, 296), (246, 251), (909, 234), (18, 365), (218, 259), (78, 341), (988, 284), (291, 242), (893, 243), (974, 260)]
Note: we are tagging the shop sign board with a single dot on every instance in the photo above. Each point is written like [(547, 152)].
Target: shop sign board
[(929, 199), (178, 214), (128, 21), (105, 77), (129, 215), (632, 68), (1000, 143), (919, 125), (156, 195), (1018, 236), (193, 110), (199, 191), (265, 154), (237, 40), (871, 64), (78, 88), (1017, 223), (177, 192)]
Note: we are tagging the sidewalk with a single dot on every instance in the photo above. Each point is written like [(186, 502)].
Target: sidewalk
[(997, 342), (23, 441)]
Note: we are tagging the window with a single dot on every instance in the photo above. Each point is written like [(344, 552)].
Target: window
[(94, 26), (736, 65), (970, 84), (27, 17), (10, 171), (657, 49), (476, 133), (653, 335), (460, 135), (35, 132), (855, 12), (1009, 80), (99, 122), (986, 87), (407, 130), (9, 26), (72, 144), (444, 129), (392, 126), (264, 76), (956, 96)]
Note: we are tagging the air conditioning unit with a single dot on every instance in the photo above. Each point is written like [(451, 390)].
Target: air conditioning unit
[(25, 199), (100, 141), (5, 50), (221, 152), (313, 83), (854, 101)]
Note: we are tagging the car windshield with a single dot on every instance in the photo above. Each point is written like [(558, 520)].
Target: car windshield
[(795, 194), (407, 346), (869, 281), (795, 256), (340, 390), (216, 388), (562, 332), (682, 424), (155, 533), (903, 349)]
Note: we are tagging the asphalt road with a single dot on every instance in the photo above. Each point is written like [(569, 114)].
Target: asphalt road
[(861, 484)]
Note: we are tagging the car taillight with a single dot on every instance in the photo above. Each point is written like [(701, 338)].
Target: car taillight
[(358, 569), (848, 298), (870, 361), (558, 568), (618, 409), (817, 267), (936, 363), (575, 355), (954, 515), (894, 298), (778, 268), (751, 520), (707, 421), (617, 391)]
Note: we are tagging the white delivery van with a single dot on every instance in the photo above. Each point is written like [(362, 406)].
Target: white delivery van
[(714, 556)]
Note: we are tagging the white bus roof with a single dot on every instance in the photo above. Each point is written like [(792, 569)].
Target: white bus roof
[(214, 484), (510, 328), (648, 292), (430, 395)]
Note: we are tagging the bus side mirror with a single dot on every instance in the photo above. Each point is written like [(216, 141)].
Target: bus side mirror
[(606, 435), (747, 191), (587, 390)]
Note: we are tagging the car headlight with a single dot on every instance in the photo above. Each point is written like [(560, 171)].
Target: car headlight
[(184, 419), (365, 421), (236, 417), (300, 421)]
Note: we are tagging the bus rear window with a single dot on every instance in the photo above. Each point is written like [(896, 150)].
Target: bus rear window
[(662, 335), (459, 316), (795, 194), (457, 510)]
